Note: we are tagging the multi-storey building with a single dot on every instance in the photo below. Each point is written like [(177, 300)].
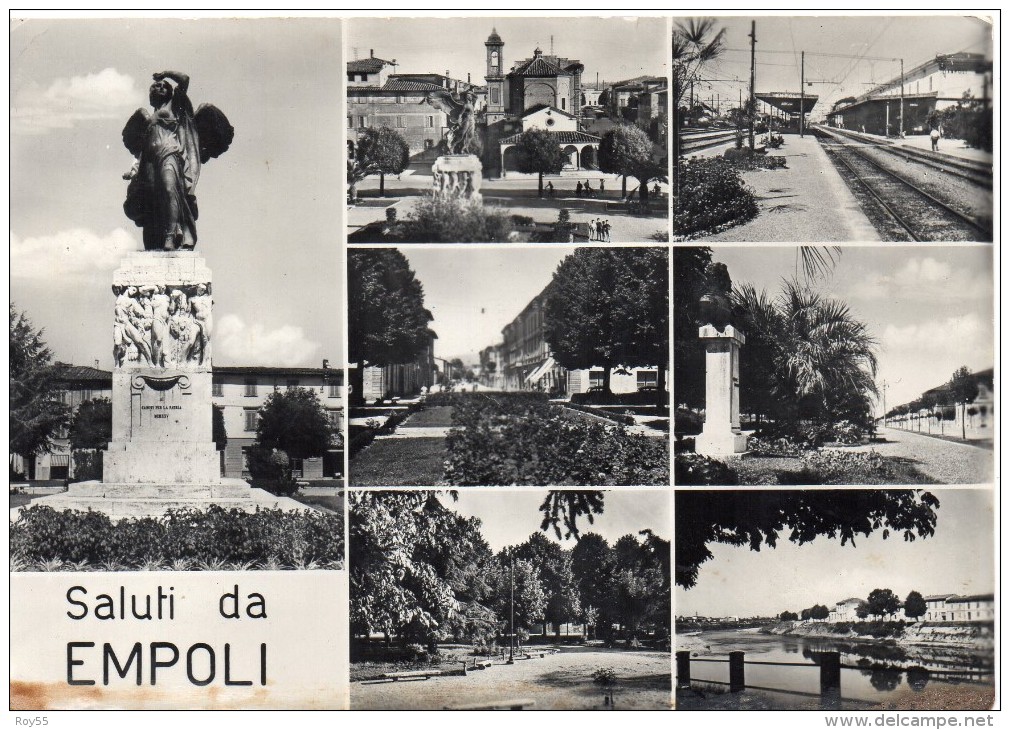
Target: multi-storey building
[(377, 97), (529, 365)]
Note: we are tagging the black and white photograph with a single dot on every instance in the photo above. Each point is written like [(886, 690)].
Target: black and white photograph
[(492, 129), (497, 366), (164, 417), (511, 600), (807, 128), (903, 619), (816, 365)]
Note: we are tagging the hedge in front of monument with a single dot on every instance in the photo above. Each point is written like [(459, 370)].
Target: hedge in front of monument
[(44, 539)]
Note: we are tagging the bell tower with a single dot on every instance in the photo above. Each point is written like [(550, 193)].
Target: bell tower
[(495, 78)]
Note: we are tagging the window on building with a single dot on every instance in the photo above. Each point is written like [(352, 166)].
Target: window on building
[(595, 378), (361, 122), (352, 77), (216, 388), (429, 121), (333, 416), (333, 390), (399, 120), (495, 95), (251, 419), (562, 103), (291, 383), (250, 387), (646, 379)]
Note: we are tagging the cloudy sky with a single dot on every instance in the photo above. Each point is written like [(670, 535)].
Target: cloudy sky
[(957, 559), (510, 517), (615, 48), (475, 291), (929, 307), (270, 207), (780, 40)]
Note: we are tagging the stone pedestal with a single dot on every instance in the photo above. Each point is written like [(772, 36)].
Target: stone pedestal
[(162, 454), (721, 435), (457, 176)]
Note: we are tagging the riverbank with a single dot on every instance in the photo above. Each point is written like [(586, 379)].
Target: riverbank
[(970, 637), (934, 697)]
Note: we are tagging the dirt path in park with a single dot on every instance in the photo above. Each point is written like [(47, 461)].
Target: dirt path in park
[(556, 682)]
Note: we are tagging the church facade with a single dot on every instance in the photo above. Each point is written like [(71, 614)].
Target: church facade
[(541, 92)]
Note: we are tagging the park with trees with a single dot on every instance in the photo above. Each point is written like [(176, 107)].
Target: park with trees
[(428, 595), (807, 385), (520, 436)]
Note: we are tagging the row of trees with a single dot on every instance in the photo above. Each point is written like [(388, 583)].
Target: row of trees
[(881, 603), (422, 573), (625, 150), (808, 362), (960, 391), (605, 308)]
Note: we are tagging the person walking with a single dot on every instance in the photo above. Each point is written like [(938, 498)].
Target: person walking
[(934, 138), (578, 190), (601, 187), (550, 189), (606, 230), (592, 230)]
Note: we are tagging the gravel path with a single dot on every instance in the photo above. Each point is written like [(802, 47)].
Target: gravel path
[(558, 682), (945, 461), (807, 201)]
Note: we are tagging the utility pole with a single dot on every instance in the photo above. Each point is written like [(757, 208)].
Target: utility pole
[(803, 55), (753, 41), (883, 390), (901, 112)]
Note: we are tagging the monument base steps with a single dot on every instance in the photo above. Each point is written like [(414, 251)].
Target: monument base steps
[(726, 443), (154, 500)]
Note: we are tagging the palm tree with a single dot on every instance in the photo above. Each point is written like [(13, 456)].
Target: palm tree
[(807, 359), (695, 43)]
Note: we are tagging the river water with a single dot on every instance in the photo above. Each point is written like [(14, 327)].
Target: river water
[(883, 669)]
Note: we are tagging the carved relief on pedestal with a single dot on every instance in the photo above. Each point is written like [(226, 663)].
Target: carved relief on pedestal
[(162, 326)]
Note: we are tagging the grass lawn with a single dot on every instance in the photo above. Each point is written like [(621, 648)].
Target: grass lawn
[(400, 462), (17, 500), (325, 502), (439, 416)]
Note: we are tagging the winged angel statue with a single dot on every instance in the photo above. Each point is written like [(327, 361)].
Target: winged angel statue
[(461, 139), (170, 144)]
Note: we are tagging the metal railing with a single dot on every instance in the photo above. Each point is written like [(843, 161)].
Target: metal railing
[(829, 664)]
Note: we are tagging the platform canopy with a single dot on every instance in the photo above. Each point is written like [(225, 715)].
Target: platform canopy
[(787, 102)]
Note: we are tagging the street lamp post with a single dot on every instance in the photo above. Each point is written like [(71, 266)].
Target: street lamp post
[(512, 606)]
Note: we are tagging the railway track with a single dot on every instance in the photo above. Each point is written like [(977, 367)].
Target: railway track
[(979, 173), (695, 141), (909, 211)]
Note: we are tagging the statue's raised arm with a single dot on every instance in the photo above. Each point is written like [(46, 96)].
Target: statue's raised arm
[(170, 143)]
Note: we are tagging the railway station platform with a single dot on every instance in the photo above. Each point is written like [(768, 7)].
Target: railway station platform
[(807, 202), (948, 147)]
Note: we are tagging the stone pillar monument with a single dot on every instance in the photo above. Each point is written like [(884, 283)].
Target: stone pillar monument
[(721, 435)]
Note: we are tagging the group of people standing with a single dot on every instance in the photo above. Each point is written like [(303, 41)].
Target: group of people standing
[(599, 230)]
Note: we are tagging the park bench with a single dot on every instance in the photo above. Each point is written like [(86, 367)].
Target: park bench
[(416, 674), (515, 704)]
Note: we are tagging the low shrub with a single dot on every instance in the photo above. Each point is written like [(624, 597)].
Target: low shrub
[(605, 676), (695, 470), (215, 538), (760, 446), (443, 219), (686, 421), (512, 438), (362, 436), (521, 220), (880, 629), (847, 432), (621, 418), (712, 194), (636, 398), (846, 467)]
